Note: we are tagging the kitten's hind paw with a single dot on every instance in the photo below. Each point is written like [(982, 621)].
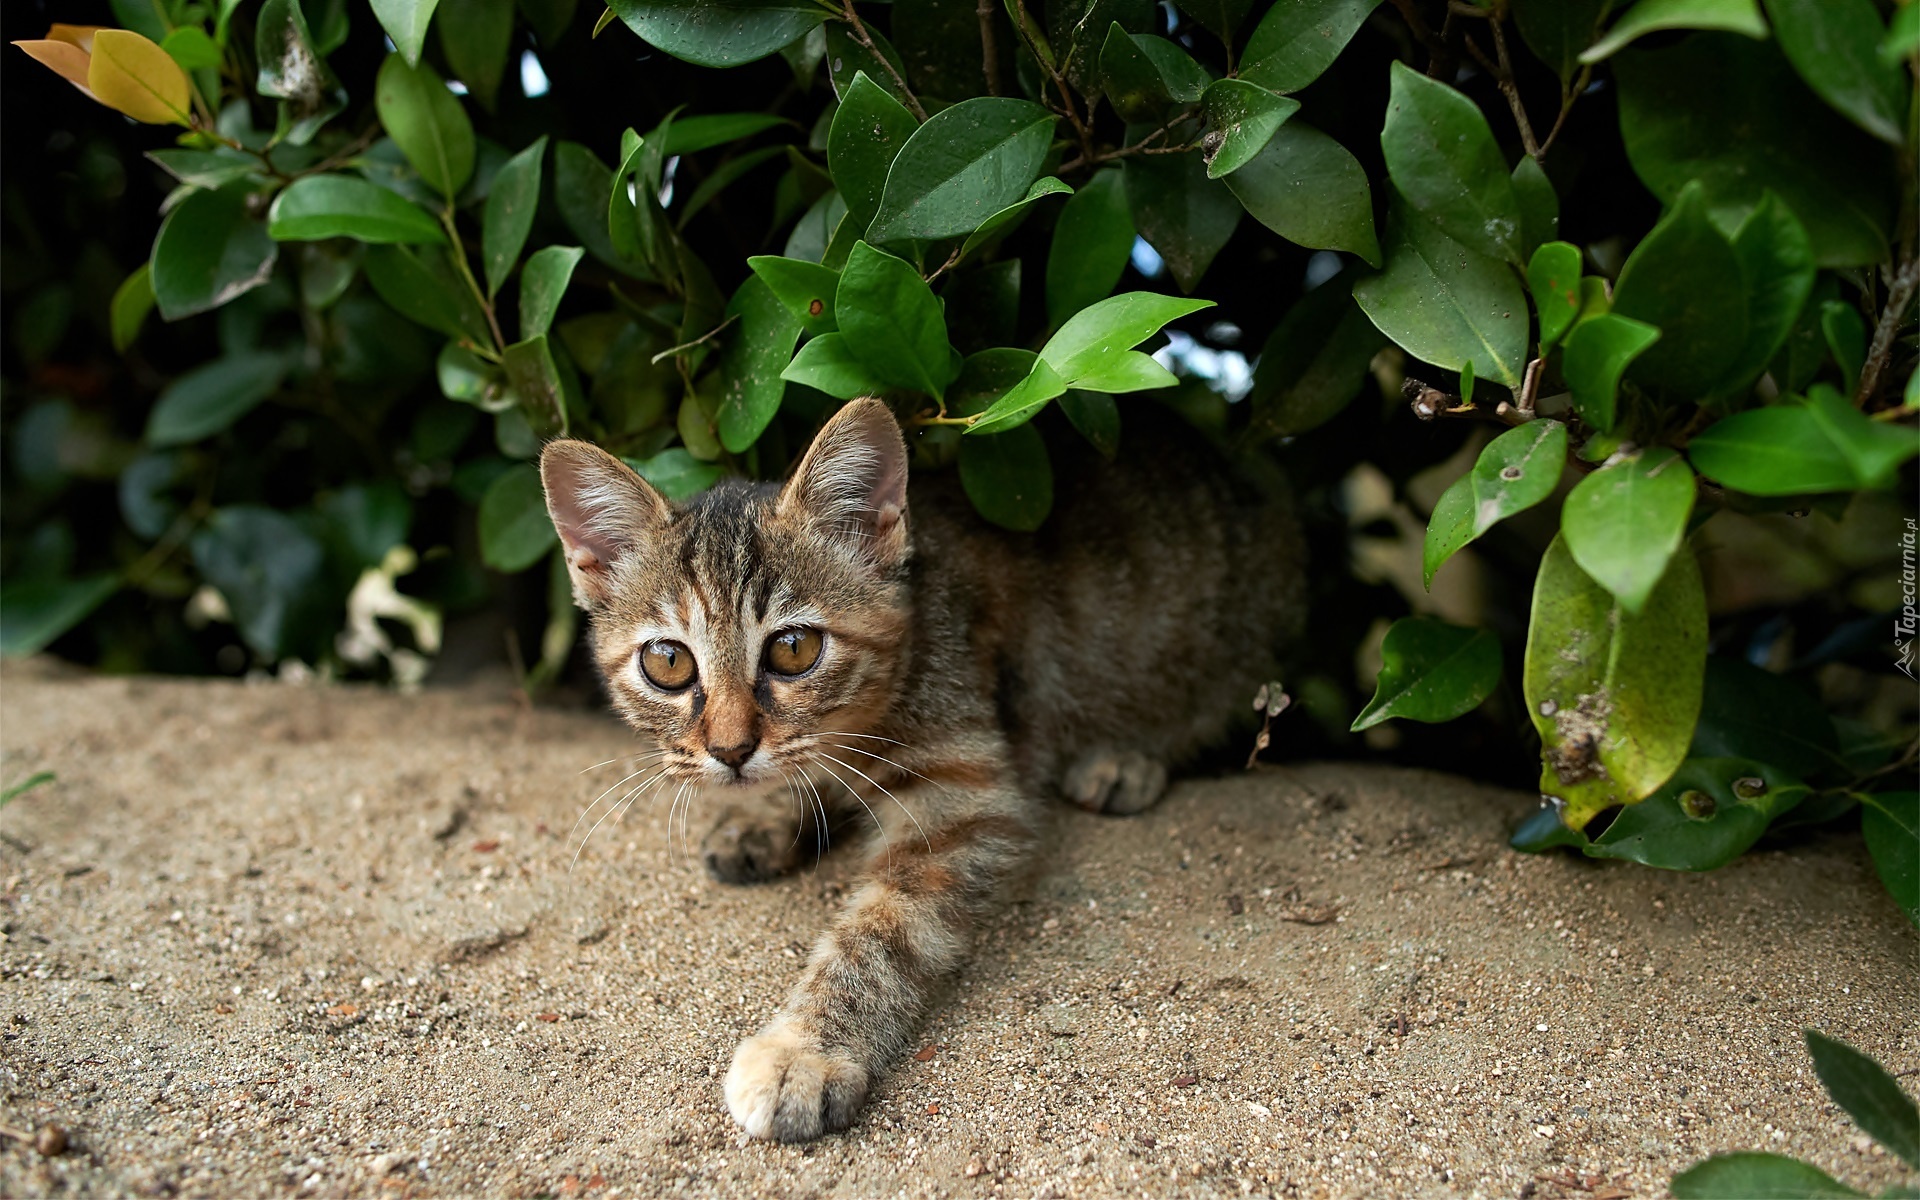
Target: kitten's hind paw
[(751, 846), (1116, 782), (783, 1087)]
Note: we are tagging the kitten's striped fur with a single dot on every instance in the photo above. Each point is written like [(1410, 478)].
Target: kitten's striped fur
[(965, 674)]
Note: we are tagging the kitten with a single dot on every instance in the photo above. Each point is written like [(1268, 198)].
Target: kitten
[(946, 674)]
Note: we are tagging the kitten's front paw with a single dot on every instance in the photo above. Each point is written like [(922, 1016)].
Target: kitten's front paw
[(751, 846), (782, 1086), (1116, 782)]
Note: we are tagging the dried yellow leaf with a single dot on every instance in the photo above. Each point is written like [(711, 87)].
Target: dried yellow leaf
[(64, 58), (137, 77)]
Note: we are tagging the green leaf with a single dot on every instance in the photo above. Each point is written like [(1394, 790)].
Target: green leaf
[(1731, 114), (583, 190), (1776, 267), (1553, 275), (1021, 402), (477, 43), (1822, 444), (892, 321), (131, 303), (1558, 30), (1298, 39), (539, 383), (724, 176), (1313, 364), (1624, 522), (807, 289), (1186, 217), (268, 568), (869, 129), (1746, 712), (1648, 16), (1539, 204), (1090, 245), (1870, 1095), (466, 377), (1755, 1176), (1008, 478), (992, 227), (1305, 187), (847, 58), (676, 474), (550, 19), (690, 135), (1516, 471), (1613, 695), (1241, 118), (426, 121), (421, 285), (1599, 350), (34, 612), (1846, 336), (367, 519), (508, 219), (1442, 158), (210, 398), (1097, 418), (406, 23), (757, 349), (190, 46), (828, 363), (1145, 78), (1834, 45), (1446, 304), (1707, 815), (1891, 823), (966, 163), (515, 531), (209, 251), (542, 284), (939, 41), (719, 33), (1682, 279), (317, 207), (207, 168), (1449, 527), (1124, 371), (1903, 36), (1431, 671), (292, 70), (1101, 331), (38, 779)]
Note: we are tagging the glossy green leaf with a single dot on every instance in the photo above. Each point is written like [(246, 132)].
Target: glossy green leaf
[(207, 168), (847, 58), (939, 42), (1449, 527), (1539, 205), (1834, 45), (1241, 120), (1871, 1096), (827, 362), (1553, 275), (719, 33), (1090, 245), (1516, 471), (34, 612), (1021, 402), (1707, 815), (1442, 158), (1431, 671), (515, 530), (1146, 78), (1186, 217), (1730, 113), (1751, 1175), (132, 301), (1598, 352), (1314, 363), (422, 285), (1776, 270), (328, 206), (476, 42), (190, 46), (1649, 16), (211, 397), (758, 348), (540, 383), (999, 222), (723, 177), (1222, 18), (209, 251), (550, 19), (1746, 712), (292, 70), (368, 519), (426, 121), (807, 289), (1821, 444), (267, 567), (1625, 521), (1307, 188), (508, 217), (1890, 822), (689, 135), (1682, 279), (1444, 303), (1846, 336), (1902, 40), (542, 284), (1298, 39), (1102, 331), (869, 129), (676, 474), (892, 321), (466, 377), (1077, 29), (583, 191), (1613, 695), (965, 164), (406, 23), (1558, 30), (1008, 478), (1097, 418)]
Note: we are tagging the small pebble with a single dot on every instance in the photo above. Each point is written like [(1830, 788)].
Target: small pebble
[(51, 1141)]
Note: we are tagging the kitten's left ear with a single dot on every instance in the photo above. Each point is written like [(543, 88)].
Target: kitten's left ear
[(852, 484), (602, 511)]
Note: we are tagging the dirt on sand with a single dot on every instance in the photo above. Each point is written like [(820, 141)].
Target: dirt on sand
[(274, 940)]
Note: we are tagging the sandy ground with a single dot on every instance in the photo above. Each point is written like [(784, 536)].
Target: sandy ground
[(276, 940)]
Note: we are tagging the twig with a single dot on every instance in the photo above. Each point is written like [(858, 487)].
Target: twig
[(989, 51), (1502, 73), (1143, 146), (1436, 48), (1899, 295), (1430, 402), (1567, 96), (943, 267), (459, 256), (860, 35)]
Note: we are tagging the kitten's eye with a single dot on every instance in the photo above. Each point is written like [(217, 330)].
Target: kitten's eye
[(667, 665), (792, 651)]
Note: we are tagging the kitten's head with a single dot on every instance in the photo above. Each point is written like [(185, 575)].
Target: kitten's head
[(744, 626)]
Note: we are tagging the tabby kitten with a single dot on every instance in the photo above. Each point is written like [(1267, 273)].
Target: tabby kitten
[(947, 676)]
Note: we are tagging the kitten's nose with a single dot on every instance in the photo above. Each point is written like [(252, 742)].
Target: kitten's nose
[(735, 755)]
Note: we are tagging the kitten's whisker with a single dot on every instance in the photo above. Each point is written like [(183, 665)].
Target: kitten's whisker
[(873, 736), (603, 817), (636, 754), (889, 795), (885, 843), (793, 794), (627, 801), (896, 766), (644, 767)]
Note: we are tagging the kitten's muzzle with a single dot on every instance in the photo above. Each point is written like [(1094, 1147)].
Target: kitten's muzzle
[(736, 755)]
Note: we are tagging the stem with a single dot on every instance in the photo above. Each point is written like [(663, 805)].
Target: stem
[(1899, 295), (266, 159), (1502, 72), (1436, 47), (860, 35), (943, 267), (1567, 96), (1140, 147), (466, 273), (989, 50)]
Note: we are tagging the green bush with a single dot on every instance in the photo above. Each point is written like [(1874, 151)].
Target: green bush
[(427, 244)]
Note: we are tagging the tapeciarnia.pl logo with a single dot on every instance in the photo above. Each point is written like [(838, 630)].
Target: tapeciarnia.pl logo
[(1904, 624)]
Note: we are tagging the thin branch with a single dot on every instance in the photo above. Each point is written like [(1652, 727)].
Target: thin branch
[(1502, 73), (989, 50), (945, 266), (1567, 96), (466, 272), (1143, 146), (1436, 47), (1899, 295), (860, 35)]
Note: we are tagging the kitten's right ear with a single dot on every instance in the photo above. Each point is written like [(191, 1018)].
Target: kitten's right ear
[(602, 511)]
